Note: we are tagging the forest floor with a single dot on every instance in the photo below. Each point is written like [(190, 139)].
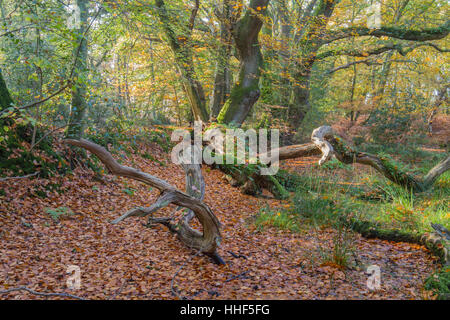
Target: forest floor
[(130, 261)]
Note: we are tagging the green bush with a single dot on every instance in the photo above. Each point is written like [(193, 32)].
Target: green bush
[(281, 219), (58, 213), (439, 283), (16, 158)]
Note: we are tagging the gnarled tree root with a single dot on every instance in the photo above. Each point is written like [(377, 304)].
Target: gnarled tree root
[(206, 242)]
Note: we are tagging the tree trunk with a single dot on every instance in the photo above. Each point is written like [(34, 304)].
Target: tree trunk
[(79, 105), (245, 91), (222, 77), (300, 105), (196, 95), (296, 151), (182, 48), (5, 98), (284, 54)]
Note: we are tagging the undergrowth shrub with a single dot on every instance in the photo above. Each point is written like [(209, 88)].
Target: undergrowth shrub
[(282, 219), (59, 213), (439, 283), (17, 158), (341, 249)]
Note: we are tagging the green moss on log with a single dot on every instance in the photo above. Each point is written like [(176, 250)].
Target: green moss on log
[(233, 103)]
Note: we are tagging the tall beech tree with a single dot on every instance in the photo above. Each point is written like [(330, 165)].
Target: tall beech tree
[(79, 105), (245, 91), (222, 75), (180, 41)]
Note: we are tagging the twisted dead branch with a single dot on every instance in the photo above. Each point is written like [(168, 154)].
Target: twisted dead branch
[(206, 242)]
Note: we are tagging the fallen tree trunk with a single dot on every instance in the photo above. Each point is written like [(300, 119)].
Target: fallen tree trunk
[(324, 138), (324, 142), (249, 178), (296, 151), (251, 181), (206, 242)]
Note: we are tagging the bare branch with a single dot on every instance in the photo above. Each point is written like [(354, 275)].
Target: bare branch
[(22, 177), (45, 294)]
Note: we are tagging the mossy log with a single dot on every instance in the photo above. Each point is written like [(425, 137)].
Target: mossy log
[(251, 181), (331, 145), (326, 143), (435, 242)]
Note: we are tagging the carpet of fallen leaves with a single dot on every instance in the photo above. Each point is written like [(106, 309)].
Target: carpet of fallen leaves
[(130, 261)]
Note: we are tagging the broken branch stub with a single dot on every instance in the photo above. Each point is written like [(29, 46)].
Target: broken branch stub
[(206, 242)]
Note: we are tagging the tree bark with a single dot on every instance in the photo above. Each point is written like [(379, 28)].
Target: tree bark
[(300, 104)]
